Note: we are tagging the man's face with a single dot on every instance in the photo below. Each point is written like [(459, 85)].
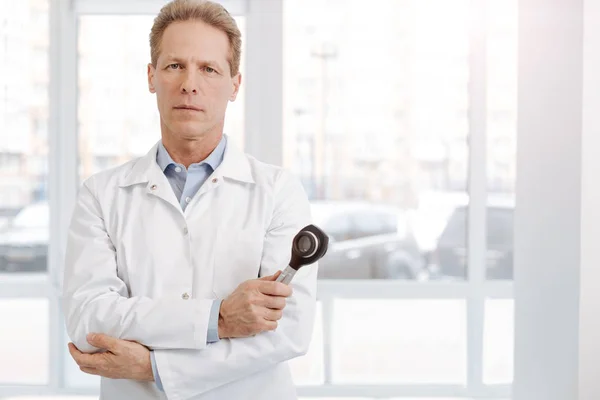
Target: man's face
[(192, 79)]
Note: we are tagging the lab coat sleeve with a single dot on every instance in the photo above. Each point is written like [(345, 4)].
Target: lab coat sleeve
[(189, 373), (95, 299)]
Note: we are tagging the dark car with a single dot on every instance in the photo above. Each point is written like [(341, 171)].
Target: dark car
[(24, 240), (449, 259), (366, 241)]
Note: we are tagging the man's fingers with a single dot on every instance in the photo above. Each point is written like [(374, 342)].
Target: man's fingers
[(75, 353), (270, 325), (273, 315), (91, 371), (275, 289), (73, 349), (103, 341), (82, 359), (272, 302), (270, 277)]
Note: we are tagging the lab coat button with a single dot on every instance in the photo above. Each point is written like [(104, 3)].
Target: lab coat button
[(214, 180), (153, 187), (185, 231), (185, 296)]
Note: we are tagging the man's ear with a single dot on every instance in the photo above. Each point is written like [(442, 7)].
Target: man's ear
[(237, 81), (151, 71)]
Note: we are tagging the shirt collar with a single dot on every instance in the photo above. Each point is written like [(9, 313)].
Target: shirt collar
[(214, 159), (145, 169)]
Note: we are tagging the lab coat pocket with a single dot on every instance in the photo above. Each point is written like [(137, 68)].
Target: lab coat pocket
[(237, 259)]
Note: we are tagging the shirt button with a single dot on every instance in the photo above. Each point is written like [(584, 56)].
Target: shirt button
[(177, 169), (188, 199), (185, 231), (185, 296)]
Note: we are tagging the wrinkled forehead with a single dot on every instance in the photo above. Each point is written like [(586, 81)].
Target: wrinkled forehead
[(195, 41)]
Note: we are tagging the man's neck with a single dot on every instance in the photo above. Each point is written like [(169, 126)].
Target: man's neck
[(187, 152)]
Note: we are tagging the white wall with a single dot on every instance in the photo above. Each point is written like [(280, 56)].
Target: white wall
[(589, 312), (557, 218)]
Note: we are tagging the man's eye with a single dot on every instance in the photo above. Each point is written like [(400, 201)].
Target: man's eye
[(174, 66), (210, 70)]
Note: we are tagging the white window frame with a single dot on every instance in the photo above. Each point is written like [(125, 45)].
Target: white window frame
[(263, 117)]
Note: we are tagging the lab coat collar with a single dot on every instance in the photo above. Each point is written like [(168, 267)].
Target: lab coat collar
[(235, 166)]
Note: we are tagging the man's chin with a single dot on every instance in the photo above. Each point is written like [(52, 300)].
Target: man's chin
[(189, 129)]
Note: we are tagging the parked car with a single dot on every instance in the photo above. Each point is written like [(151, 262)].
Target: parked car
[(449, 259), (24, 241), (431, 217), (366, 241)]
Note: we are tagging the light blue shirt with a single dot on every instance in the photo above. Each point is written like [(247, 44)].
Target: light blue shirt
[(185, 184)]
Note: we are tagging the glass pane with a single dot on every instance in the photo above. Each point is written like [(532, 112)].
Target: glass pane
[(24, 74), (498, 342), (501, 135), (24, 342), (308, 369), (399, 342), (375, 120), (118, 116)]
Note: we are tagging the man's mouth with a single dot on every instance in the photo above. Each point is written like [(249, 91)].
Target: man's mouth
[(187, 107)]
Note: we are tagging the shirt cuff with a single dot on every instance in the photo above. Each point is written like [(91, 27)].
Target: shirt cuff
[(155, 372), (213, 322)]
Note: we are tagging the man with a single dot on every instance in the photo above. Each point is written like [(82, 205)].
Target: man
[(161, 291)]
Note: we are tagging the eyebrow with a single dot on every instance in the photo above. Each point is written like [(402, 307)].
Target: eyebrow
[(203, 62)]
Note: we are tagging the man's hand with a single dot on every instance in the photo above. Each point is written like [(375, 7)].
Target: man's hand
[(254, 307), (123, 359)]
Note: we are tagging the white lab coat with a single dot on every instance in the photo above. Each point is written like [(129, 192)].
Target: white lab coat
[(133, 257)]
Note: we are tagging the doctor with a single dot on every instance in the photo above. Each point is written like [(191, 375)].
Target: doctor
[(162, 295)]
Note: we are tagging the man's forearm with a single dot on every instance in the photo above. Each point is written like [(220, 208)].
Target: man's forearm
[(211, 337), (141, 320)]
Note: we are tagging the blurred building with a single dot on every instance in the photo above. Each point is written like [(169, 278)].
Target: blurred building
[(377, 97), (24, 76), (117, 115)]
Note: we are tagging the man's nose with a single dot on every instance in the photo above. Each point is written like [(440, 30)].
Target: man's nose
[(185, 89), (189, 84)]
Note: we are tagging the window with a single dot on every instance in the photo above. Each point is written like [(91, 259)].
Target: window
[(23, 135), (371, 125), (381, 134), (358, 148), (24, 227)]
